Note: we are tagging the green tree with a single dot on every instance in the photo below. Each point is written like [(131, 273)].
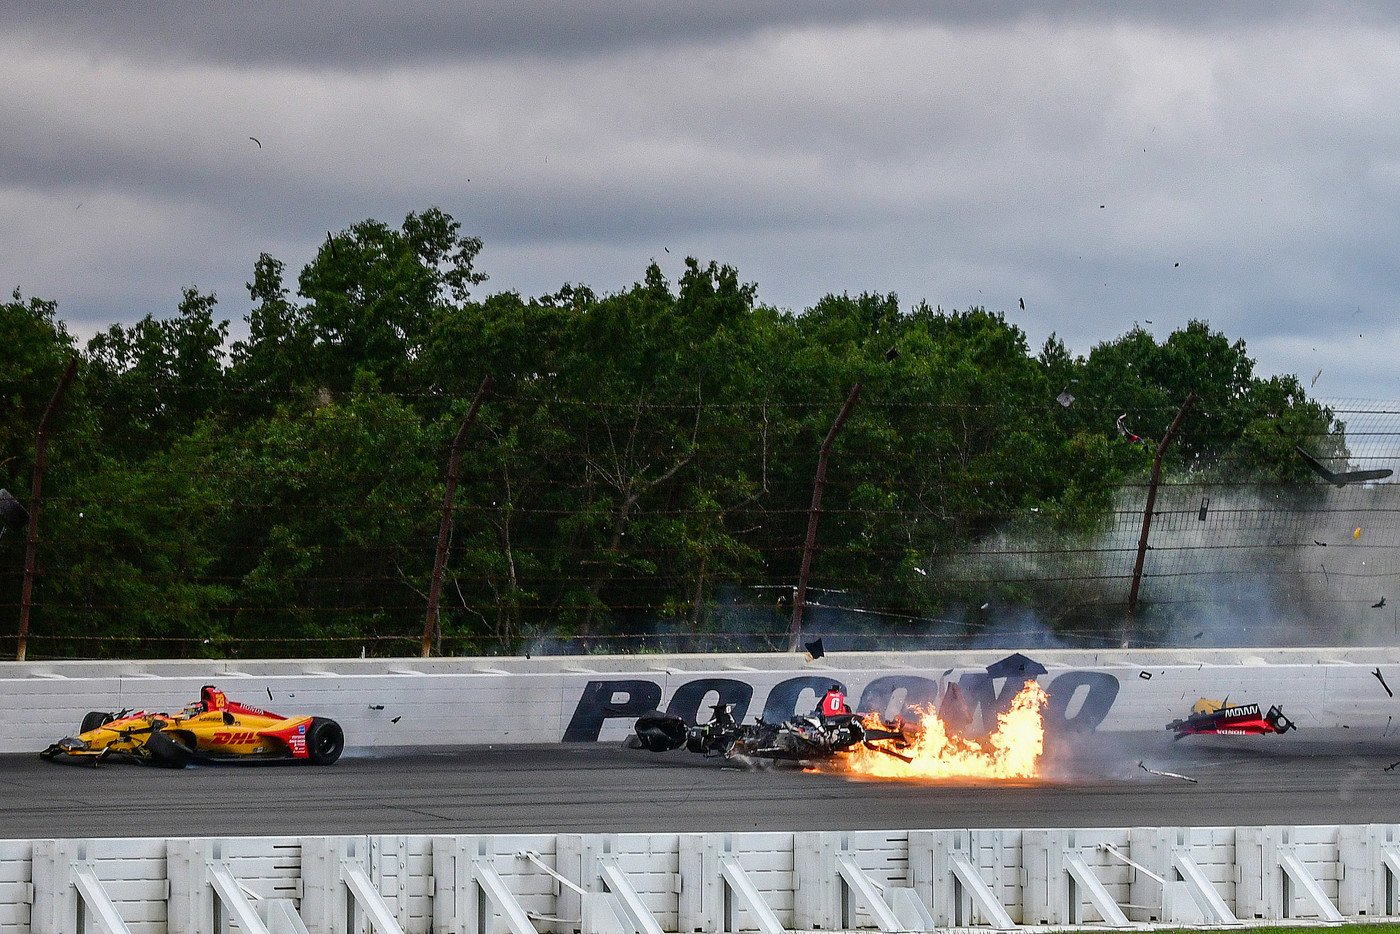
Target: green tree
[(37, 348), (159, 377), (374, 294)]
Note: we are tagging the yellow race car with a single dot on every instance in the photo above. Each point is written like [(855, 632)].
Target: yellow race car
[(212, 728)]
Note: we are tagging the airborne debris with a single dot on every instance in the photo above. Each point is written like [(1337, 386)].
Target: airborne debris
[(1381, 678), (1023, 304), (1340, 480), (1016, 663), (1185, 778), (12, 514), (256, 140), (1378, 604), (1126, 432), (1205, 507), (1065, 399), (814, 649), (1316, 542)]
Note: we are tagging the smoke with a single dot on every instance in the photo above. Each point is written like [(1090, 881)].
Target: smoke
[(1273, 567), (1226, 565)]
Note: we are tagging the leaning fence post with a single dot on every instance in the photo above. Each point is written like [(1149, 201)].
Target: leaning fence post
[(799, 600), (36, 489), (454, 462), (1147, 514)]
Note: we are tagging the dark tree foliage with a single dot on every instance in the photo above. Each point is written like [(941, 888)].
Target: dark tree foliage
[(644, 463)]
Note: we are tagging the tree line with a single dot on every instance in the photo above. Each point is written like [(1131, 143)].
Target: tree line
[(644, 462)]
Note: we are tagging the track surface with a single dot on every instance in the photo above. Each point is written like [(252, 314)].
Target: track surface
[(601, 788)]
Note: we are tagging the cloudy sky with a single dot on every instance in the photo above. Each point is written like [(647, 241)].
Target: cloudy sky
[(1110, 163)]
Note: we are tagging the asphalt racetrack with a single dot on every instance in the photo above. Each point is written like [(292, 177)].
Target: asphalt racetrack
[(603, 788)]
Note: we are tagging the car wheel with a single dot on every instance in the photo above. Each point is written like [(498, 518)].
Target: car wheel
[(325, 741), (94, 719), (168, 752)]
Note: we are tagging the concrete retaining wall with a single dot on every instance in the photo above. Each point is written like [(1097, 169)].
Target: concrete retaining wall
[(1333, 695)]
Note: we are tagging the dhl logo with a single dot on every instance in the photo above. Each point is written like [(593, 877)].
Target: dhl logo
[(235, 739)]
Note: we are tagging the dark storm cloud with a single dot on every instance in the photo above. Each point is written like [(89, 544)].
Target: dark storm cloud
[(315, 33), (955, 153)]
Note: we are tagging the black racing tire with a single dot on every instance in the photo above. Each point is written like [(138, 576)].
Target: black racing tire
[(325, 741), (94, 719), (168, 752)]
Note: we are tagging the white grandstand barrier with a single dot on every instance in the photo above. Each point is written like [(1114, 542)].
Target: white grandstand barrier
[(894, 881), (414, 703)]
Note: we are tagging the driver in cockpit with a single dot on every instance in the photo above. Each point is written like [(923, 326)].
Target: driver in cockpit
[(834, 703), (210, 698)]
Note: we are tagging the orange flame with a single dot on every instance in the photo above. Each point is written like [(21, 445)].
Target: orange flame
[(1013, 750)]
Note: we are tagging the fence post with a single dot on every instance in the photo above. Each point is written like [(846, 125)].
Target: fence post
[(36, 491), (454, 463)]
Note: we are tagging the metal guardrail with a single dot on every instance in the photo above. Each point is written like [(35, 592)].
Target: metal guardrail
[(895, 881)]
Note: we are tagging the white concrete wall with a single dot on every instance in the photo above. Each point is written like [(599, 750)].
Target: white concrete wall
[(434, 884), (386, 704)]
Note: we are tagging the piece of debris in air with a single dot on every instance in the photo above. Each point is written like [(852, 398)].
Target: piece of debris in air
[(1316, 542), (1016, 664), (1347, 476), (397, 719), (1185, 778), (1199, 634), (1391, 767), (1356, 534), (1126, 432), (1381, 678), (12, 514), (1065, 399), (1315, 378), (1205, 507), (1145, 675), (1378, 604), (814, 649), (376, 706)]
